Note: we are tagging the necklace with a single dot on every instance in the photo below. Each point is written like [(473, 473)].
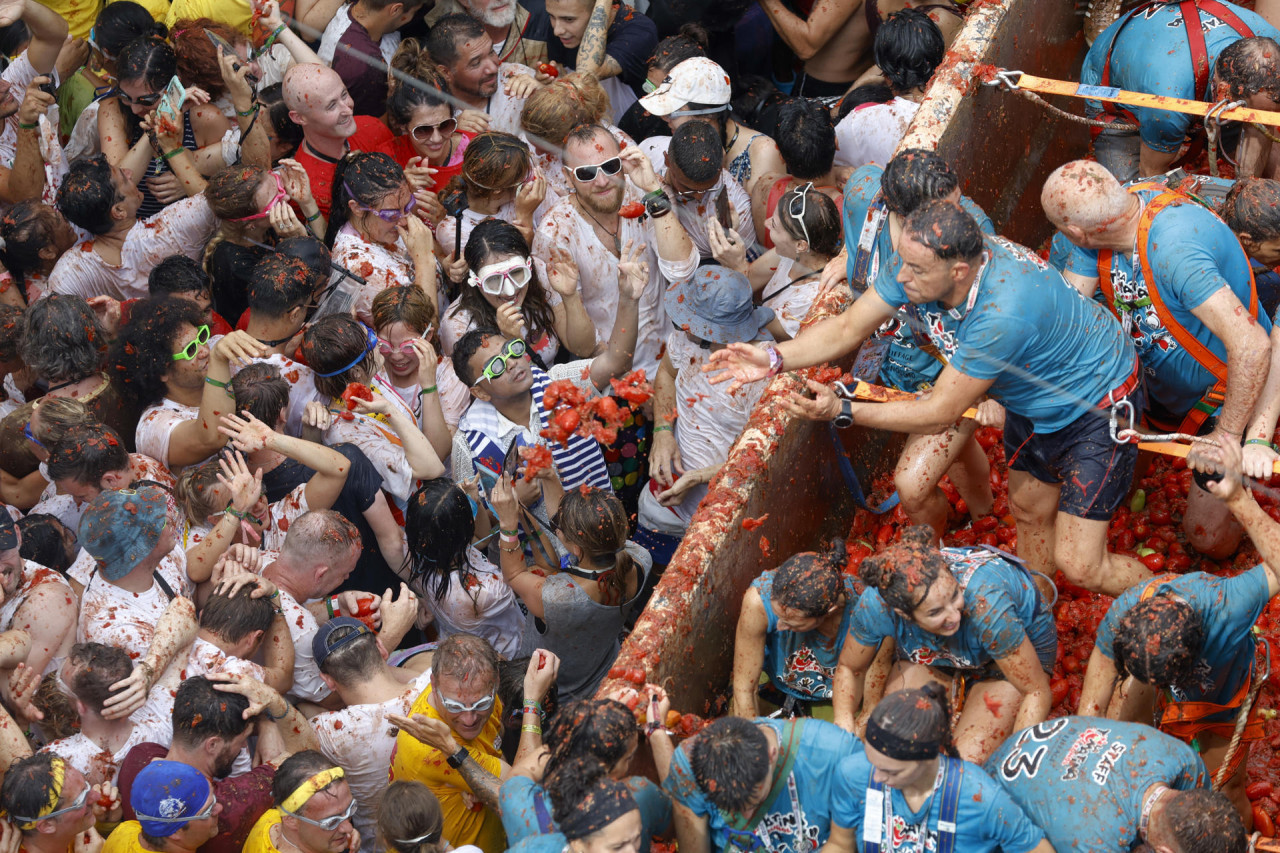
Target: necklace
[(617, 239)]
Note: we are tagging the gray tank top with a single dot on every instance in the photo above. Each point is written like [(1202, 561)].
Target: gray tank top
[(583, 633)]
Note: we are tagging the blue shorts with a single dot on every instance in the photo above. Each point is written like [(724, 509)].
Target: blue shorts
[(1095, 473)]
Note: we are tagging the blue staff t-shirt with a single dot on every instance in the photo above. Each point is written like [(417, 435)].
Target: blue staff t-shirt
[(802, 665), (526, 809), (905, 366), (799, 818), (1193, 255), (1228, 608), (1053, 353), (1152, 55), (1001, 609), (986, 817), (1094, 769)]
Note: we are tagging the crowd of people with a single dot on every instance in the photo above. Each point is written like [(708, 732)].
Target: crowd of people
[(365, 363)]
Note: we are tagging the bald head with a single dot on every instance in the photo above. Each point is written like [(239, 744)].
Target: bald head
[(1082, 195), (318, 101)]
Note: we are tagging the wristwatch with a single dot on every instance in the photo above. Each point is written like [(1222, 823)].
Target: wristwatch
[(844, 420), (455, 760), (656, 204)]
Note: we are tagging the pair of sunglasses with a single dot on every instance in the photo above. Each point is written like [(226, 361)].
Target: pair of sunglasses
[(498, 366), (424, 132), (588, 173), (188, 352)]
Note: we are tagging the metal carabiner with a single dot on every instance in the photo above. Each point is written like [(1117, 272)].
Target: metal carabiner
[(1127, 406), (1005, 77), (843, 391)]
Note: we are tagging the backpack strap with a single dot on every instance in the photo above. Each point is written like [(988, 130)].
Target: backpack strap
[(877, 215), (952, 772)]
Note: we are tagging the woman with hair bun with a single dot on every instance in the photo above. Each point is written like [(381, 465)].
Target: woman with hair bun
[(972, 614), (595, 814), (792, 627), (909, 791)]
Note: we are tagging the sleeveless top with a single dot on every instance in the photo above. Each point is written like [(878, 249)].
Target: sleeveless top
[(803, 665), (740, 166), (150, 204)]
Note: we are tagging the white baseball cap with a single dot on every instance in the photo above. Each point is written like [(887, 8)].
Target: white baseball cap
[(694, 81)]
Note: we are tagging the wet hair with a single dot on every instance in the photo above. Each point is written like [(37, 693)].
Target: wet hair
[(295, 770), (494, 162), (354, 662), (62, 339), (16, 456), (602, 730), (449, 32), (574, 789), (371, 176), (260, 390), (806, 139), (904, 572), (196, 494), (810, 582), (466, 347), (730, 758), (97, 667), (234, 617), (318, 536), (201, 712), (691, 41), (197, 58), (1252, 207), (87, 194), (58, 416), (26, 228), (464, 656), (331, 342), (406, 304), (750, 93), (1158, 642), (920, 716), (11, 332), (409, 810), (27, 784), (278, 284), (149, 59), (490, 239), (1203, 820), (563, 104), (86, 454), (1250, 66), (822, 223), (312, 252), (122, 21), (143, 351), (596, 521), (404, 99), (43, 543), (276, 111), (438, 526), (697, 151), (414, 60), (231, 189), (867, 93), (947, 230), (908, 48), (178, 274), (916, 176)]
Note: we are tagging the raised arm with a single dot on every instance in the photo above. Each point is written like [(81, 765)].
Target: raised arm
[(26, 178), (676, 253), (633, 276), (807, 36), (255, 145), (591, 55), (48, 32), (196, 440), (515, 571), (1248, 356), (175, 631), (249, 435), (418, 452)]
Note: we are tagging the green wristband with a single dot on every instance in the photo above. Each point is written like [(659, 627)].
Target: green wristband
[(1262, 442), (425, 391), (663, 428), (174, 153)]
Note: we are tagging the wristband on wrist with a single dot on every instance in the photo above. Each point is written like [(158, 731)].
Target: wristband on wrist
[(216, 384), (537, 730), (25, 126), (246, 113), (532, 707), (775, 360), (455, 760), (331, 605), (506, 532), (272, 717), (271, 39), (663, 428), (171, 154), (314, 217), (243, 516), (1261, 442), (425, 391)]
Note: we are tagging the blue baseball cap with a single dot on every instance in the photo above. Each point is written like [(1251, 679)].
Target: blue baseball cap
[(322, 644), (715, 305), (166, 796), (120, 528)]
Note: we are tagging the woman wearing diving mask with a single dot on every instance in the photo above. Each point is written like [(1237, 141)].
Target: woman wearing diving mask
[(503, 292)]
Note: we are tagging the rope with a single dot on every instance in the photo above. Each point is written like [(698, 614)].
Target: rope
[(1118, 127), (1219, 778)]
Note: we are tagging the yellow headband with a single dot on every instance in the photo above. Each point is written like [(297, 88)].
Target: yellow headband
[(59, 768), (309, 788)]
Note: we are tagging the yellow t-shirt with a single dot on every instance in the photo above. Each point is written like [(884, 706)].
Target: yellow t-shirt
[(79, 14), (259, 840), (236, 14), (413, 760), (125, 839)]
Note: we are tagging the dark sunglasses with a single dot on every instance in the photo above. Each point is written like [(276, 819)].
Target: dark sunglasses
[(142, 100), (610, 167), (424, 132)]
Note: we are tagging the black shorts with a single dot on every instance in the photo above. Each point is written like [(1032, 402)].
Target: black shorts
[(1095, 473)]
